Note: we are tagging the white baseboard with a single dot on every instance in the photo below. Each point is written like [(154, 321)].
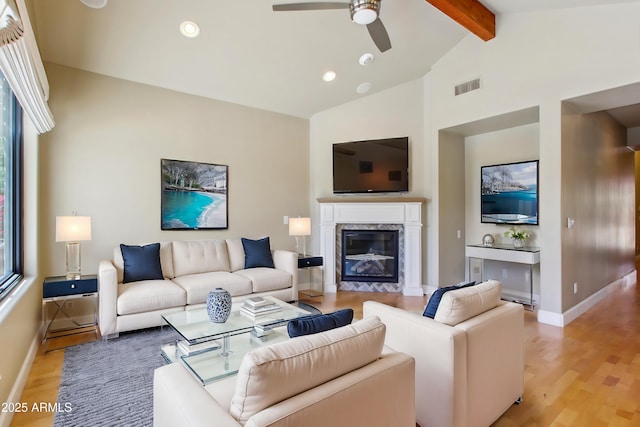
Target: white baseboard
[(550, 318), (561, 320), (21, 381)]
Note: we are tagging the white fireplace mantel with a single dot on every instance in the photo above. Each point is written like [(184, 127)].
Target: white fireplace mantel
[(406, 212)]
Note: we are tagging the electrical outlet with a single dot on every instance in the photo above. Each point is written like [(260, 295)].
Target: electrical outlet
[(69, 305), (285, 220), (459, 234), (504, 273), (575, 288)]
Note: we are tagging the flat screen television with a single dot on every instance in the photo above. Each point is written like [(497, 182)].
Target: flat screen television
[(371, 166), (509, 193)]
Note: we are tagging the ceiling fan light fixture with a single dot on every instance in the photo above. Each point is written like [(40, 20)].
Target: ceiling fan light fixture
[(364, 12)]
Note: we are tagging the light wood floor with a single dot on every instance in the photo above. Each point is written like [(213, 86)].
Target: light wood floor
[(584, 375)]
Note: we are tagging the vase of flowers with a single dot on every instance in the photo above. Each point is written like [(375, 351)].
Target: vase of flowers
[(518, 236)]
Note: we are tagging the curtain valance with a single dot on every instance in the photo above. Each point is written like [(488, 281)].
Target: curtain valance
[(22, 67)]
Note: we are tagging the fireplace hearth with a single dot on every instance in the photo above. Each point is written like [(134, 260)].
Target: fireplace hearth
[(369, 256)]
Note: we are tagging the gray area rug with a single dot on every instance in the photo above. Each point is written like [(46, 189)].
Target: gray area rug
[(111, 383)]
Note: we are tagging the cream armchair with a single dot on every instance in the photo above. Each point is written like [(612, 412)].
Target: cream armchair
[(338, 378), (469, 358)]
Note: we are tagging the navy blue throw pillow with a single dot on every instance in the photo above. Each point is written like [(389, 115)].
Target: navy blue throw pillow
[(436, 297), (319, 323), (257, 253), (141, 262)]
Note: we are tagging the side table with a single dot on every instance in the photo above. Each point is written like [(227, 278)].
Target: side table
[(310, 262), (58, 290)]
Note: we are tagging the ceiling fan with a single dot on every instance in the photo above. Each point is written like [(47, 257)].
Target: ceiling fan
[(363, 12)]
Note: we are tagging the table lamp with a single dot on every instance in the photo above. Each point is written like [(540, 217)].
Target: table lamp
[(300, 227), (72, 230)]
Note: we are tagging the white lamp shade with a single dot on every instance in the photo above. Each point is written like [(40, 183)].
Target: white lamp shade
[(299, 226), (73, 228)]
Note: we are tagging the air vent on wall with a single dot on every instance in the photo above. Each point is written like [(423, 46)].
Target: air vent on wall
[(468, 86)]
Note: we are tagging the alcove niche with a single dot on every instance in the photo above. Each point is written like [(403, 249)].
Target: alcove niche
[(462, 149)]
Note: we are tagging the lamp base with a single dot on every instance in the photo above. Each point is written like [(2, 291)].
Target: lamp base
[(304, 246), (72, 260)]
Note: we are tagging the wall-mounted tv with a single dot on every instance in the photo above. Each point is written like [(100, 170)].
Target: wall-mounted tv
[(371, 166), (509, 193)]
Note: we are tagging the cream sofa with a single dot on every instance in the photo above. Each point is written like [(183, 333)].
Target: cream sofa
[(469, 358), (335, 378), (191, 269)]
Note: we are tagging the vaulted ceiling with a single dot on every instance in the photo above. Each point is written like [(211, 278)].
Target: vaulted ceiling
[(250, 55)]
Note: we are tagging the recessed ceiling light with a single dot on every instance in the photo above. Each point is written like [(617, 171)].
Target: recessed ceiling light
[(329, 76), (190, 29), (366, 59), (96, 4), (363, 88)]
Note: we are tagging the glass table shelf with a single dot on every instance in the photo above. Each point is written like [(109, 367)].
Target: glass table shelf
[(230, 340)]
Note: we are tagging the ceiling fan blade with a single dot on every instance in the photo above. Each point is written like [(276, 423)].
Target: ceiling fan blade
[(379, 35), (322, 5)]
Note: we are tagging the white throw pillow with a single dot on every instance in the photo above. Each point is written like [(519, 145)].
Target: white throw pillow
[(461, 304)]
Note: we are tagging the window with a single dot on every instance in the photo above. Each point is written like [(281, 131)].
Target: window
[(10, 189)]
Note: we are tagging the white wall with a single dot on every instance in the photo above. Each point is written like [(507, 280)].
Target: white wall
[(536, 61), (515, 144), (526, 67), (103, 159), (391, 113)]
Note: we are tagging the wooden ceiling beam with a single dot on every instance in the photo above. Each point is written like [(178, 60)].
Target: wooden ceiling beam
[(471, 14)]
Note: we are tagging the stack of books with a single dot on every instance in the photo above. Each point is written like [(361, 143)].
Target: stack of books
[(185, 348), (254, 307)]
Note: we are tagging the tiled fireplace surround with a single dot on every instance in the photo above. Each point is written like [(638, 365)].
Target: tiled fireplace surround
[(402, 214)]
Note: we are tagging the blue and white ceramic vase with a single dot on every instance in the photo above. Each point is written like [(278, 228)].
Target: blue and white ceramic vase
[(219, 305)]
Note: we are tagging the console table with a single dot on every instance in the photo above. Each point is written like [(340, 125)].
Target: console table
[(507, 253)]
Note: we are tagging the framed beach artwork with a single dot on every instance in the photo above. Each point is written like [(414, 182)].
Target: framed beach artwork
[(194, 195)]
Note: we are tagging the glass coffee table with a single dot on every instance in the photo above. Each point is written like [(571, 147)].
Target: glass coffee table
[(212, 351)]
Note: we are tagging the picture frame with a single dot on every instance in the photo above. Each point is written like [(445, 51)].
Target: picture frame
[(193, 195), (509, 193)]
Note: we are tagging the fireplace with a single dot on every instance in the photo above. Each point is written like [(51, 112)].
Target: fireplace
[(369, 256), (402, 214)]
